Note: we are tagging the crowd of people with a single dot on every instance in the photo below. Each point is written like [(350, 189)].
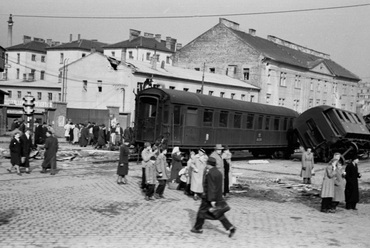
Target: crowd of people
[(339, 184)]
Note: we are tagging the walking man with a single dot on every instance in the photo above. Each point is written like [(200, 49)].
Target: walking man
[(50, 158), (26, 142), (212, 187)]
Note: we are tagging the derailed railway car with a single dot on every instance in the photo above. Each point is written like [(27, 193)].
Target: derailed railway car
[(191, 120), (328, 130)]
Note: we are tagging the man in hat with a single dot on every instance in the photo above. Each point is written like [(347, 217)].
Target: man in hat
[(217, 154), (26, 141), (50, 157), (351, 192), (212, 194)]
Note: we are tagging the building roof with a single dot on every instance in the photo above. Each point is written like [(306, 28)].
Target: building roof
[(188, 74), (34, 46), (81, 44), (141, 42), (292, 56)]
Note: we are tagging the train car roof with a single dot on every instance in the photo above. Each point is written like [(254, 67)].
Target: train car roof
[(196, 99)]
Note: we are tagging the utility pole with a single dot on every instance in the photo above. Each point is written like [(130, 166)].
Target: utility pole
[(204, 68)]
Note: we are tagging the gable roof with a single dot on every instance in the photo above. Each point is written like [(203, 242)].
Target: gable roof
[(81, 44), (34, 46), (141, 42), (291, 56)]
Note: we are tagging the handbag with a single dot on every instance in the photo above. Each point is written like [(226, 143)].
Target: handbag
[(313, 172), (220, 208)]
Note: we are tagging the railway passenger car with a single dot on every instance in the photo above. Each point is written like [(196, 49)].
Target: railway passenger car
[(328, 130), (192, 120)]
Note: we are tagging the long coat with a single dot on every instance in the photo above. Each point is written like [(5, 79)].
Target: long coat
[(199, 164), (84, 137), (176, 167), (212, 192), (307, 165), (219, 165), (339, 184), (51, 149), (351, 191), (124, 152), (15, 148), (327, 190), (26, 149), (101, 137), (161, 167), (39, 135), (76, 134), (150, 173)]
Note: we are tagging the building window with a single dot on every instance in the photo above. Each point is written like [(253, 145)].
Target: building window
[(222, 94), (18, 58), (199, 91), (243, 97), (246, 73), (113, 54), (100, 86), (42, 75), (83, 55), (212, 70), (268, 97), (311, 84), (130, 55), (19, 94), (310, 102), (210, 93), (17, 73), (318, 86), (61, 58), (186, 89), (167, 59), (231, 70), (33, 57), (59, 97), (197, 69), (232, 95), (283, 79), (24, 76), (60, 77), (297, 81), (147, 56), (39, 95), (172, 87), (43, 59), (50, 96), (281, 101), (84, 85), (317, 102), (10, 94), (28, 92)]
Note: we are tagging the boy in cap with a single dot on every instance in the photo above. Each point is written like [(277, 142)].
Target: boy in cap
[(151, 178)]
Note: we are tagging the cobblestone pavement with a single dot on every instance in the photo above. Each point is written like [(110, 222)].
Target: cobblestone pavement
[(82, 206)]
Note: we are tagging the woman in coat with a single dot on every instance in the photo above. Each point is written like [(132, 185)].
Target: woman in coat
[(198, 167), (327, 190), (351, 192), (307, 166), (15, 148), (176, 164), (162, 173), (122, 169), (76, 134), (339, 184)]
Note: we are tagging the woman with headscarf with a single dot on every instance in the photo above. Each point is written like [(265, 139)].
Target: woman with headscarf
[(198, 167), (176, 164)]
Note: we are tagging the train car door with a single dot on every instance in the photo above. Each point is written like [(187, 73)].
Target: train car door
[(176, 125), (148, 115)]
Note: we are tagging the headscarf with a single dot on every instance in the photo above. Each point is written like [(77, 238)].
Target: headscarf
[(176, 149)]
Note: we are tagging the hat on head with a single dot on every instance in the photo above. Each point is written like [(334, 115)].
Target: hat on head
[(226, 147), (202, 150), (218, 147), (211, 161)]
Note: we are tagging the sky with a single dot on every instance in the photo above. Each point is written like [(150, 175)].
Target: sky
[(343, 33)]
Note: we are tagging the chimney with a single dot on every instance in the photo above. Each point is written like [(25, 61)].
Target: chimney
[(252, 32), (158, 37), (168, 42), (134, 34), (26, 39), (148, 35), (10, 31), (123, 56), (173, 44), (49, 42), (178, 46), (70, 38), (79, 36), (229, 23)]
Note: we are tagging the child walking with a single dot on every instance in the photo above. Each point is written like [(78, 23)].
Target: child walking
[(151, 178)]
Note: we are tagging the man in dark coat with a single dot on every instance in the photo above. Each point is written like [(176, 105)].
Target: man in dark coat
[(38, 134), (15, 148), (212, 185), (95, 130), (351, 191), (50, 157), (26, 141), (84, 136)]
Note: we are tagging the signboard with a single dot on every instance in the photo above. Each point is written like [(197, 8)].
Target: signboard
[(15, 111)]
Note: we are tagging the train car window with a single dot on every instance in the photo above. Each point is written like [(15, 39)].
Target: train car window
[(259, 122), (276, 123), (290, 125), (340, 115), (208, 118), (237, 120), (223, 119), (267, 123), (192, 117), (166, 114), (250, 120), (152, 111), (357, 118), (346, 116), (176, 115), (285, 124)]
